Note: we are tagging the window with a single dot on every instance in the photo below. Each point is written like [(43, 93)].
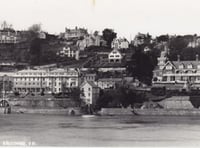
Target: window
[(168, 67), (111, 60), (172, 78), (89, 89), (165, 78), (88, 94), (181, 66), (189, 66)]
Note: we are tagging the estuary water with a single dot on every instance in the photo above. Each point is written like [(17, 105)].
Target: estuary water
[(51, 130)]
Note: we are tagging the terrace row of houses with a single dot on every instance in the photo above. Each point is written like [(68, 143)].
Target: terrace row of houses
[(57, 81)]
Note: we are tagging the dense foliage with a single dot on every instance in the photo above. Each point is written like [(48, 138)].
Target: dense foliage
[(108, 36), (120, 97)]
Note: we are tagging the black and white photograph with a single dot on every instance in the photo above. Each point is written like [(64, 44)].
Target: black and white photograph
[(99, 73)]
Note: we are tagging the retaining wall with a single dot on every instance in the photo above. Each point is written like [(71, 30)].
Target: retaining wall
[(116, 111)]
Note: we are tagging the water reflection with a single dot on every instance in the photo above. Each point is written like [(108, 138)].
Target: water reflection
[(49, 130)]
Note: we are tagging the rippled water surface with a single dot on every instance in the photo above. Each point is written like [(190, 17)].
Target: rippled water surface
[(50, 130)]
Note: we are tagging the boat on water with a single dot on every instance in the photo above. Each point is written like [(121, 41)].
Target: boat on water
[(88, 116)]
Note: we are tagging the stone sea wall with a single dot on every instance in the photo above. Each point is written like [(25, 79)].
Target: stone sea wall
[(116, 111), (167, 112), (55, 111), (42, 103)]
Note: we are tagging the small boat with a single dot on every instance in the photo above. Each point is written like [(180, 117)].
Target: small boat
[(88, 116)]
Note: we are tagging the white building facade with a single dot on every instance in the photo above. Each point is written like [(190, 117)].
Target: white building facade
[(89, 92), (70, 52), (36, 81), (115, 56), (120, 43)]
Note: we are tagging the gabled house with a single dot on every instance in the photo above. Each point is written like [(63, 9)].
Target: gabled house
[(89, 40), (89, 92), (120, 43), (74, 33), (8, 36), (177, 73), (194, 43), (70, 52), (108, 83), (115, 56)]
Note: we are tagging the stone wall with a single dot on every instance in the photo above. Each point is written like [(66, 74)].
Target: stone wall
[(43, 103), (180, 102), (116, 111), (67, 111)]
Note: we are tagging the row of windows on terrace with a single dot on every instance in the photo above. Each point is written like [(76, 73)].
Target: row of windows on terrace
[(37, 90), (49, 74), (182, 78), (43, 79), (50, 84)]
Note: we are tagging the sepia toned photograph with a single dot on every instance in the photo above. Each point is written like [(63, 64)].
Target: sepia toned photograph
[(99, 73)]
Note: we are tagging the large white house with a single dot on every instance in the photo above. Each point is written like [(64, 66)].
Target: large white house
[(36, 81), (115, 56), (175, 74)]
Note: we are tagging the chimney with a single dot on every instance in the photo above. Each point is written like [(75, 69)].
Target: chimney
[(197, 57), (178, 58)]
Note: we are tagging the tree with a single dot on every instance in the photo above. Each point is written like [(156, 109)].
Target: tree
[(120, 97), (141, 66), (108, 36), (163, 38), (75, 94), (176, 45), (96, 33), (36, 28), (35, 51)]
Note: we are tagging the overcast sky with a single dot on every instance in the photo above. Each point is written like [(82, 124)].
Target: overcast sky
[(126, 17)]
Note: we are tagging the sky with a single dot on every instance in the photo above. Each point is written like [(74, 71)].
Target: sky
[(126, 17)]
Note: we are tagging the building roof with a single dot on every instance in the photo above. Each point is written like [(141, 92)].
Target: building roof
[(31, 70), (185, 63), (91, 83), (63, 70), (110, 79)]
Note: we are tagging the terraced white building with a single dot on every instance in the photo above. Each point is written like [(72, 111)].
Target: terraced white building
[(36, 81)]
